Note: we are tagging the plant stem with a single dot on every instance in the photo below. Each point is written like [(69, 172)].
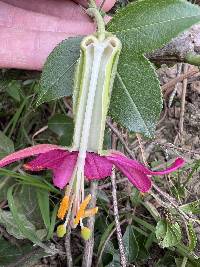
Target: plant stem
[(68, 248), (117, 223), (88, 248), (94, 12)]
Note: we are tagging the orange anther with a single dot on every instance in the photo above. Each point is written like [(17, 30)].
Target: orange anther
[(64, 205), (82, 208), (90, 212)]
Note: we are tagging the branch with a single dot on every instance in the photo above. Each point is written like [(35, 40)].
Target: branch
[(118, 228)]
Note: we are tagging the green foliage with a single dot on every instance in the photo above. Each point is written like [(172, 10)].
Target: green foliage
[(43, 201), (63, 127), (13, 90), (191, 236), (6, 145), (149, 24), (142, 27), (168, 234), (24, 228), (130, 244), (192, 207), (58, 72), (136, 85)]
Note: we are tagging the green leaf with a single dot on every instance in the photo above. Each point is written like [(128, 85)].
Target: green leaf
[(43, 201), (58, 72), (9, 253), (148, 24), (143, 26), (109, 249), (26, 203), (26, 231), (168, 234), (5, 183), (13, 89), (130, 244), (62, 126), (192, 207), (6, 145), (7, 220), (191, 236), (136, 85), (53, 222)]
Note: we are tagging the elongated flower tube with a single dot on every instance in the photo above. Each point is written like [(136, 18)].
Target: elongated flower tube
[(93, 85)]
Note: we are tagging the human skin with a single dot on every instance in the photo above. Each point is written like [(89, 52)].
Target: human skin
[(29, 30)]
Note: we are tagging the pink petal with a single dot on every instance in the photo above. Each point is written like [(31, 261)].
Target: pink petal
[(119, 158), (61, 162), (138, 173), (48, 160), (139, 179), (178, 163), (63, 173), (97, 167), (27, 152)]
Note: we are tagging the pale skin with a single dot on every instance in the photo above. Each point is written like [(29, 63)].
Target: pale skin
[(29, 30)]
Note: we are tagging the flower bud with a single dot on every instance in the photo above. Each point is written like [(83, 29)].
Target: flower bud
[(85, 233), (61, 230)]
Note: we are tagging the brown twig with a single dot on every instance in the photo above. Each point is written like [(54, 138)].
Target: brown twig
[(120, 137), (116, 215), (169, 87), (88, 248), (68, 248), (184, 89)]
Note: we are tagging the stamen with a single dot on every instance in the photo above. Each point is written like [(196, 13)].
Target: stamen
[(90, 212), (64, 205), (82, 208), (61, 230), (29, 168), (85, 233)]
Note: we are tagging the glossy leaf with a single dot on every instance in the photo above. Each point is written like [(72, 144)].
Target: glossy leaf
[(168, 234), (58, 72)]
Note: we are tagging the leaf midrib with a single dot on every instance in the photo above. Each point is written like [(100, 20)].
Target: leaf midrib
[(52, 84), (153, 24)]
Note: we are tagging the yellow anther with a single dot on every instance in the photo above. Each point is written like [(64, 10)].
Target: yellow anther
[(82, 208), (90, 212), (64, 205), (85, 233), (61, 230)]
